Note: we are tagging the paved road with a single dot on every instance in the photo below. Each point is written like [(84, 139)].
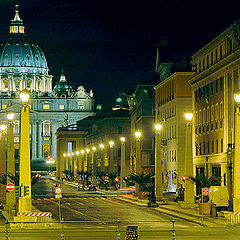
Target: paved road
[(92, 216)]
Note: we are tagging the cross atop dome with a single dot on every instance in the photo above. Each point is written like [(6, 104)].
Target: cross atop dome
[(16, 24)]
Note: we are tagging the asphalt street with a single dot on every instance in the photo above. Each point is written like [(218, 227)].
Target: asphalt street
[(100, 215)]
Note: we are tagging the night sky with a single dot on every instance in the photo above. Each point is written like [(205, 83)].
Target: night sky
[(110, 46)]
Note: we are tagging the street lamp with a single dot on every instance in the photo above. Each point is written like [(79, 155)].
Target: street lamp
[(77, 160), (101, 163), (236, 162), (68, 165), (158, 162), (189, 186), (11, 197), (25, 203), (111, 161), (86, 160), (82, 160), (122, 174), (2, 160)]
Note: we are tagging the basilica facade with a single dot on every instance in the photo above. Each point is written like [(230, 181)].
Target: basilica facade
[(23, 65)]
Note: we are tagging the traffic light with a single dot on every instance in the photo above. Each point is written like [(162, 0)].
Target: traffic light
[(184, 178), (48, 156), (18, 191), (116, 180), (26, 190)]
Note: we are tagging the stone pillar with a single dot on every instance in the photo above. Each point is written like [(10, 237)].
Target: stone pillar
[(236, 164), (2, 166), (54, 139), (158, 167), (10, 196), (123, 158), (189, 185), (40, 144), (34, 139)]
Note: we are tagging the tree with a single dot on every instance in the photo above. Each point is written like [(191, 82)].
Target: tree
[(141, 179), (203, 181)]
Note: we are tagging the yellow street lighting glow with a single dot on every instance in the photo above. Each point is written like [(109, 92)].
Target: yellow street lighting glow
[(82, 151), (138, 134), (188, 116), (87, 150), (237, 97), (94, 148), (64, 154), (122, 139), (77, 153), (69, 154), (10, 116), (111, 143), (158, 127), (73, 154), (101, 146), (24, 95), (3, 127)]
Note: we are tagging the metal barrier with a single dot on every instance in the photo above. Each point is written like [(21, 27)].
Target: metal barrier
[(234, 218), (93, 229)]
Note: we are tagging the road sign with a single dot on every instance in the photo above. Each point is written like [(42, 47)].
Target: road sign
[(205, 191), (57, 196), (132, 233), (58, 190), (10, 187)]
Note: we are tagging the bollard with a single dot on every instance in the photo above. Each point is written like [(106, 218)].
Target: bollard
[(62, 230), (6, 232), (173, 229), (118, 234)]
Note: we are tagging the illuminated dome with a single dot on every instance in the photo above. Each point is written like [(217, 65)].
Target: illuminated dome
[(17, 55), (62, 88)]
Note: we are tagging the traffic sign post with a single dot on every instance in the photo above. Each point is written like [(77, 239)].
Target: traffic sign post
[(10, 187), (205, 191), (58, 190)]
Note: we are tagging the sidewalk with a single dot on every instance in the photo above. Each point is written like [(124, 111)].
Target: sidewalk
[(176, 211)]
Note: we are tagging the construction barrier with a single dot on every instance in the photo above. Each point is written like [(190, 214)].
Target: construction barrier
[(234, 218), (41, 216)]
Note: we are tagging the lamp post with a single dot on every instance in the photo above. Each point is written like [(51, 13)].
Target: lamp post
[(86, 160), (68, 165), (158, 163), (111, 163), (94, 166), (189, 186), (138, 159), (82, 160), (101, 156), (236, 162), (122, 174), (77, 160), (25, 203), (73, 163), (2, 160), (11, 197)]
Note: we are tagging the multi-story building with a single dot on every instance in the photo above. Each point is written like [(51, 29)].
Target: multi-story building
[(172, 100), (216, 78), (141, 104), (101, 135), (23, 66)]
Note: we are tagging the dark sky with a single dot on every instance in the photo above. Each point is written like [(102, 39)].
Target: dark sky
[(110, 46)]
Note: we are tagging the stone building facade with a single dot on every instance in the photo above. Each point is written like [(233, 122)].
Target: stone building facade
[(23, 65)]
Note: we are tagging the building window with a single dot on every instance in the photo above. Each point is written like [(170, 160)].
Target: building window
[(216, 85), (119, 130), (207, 61), (203, 63), (221, 145), (61, 106), (208, 147), (216, 146), (46, 128), (221, 83), (80, 105), (216, 55), (212, 146), (211, 58), (46, 106), (211, 86), (4, 106), (220, 52), (216, 171)]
